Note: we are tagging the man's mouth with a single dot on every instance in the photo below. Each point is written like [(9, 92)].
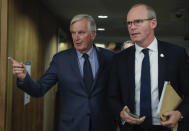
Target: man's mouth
[(78, 43), (134, 34)]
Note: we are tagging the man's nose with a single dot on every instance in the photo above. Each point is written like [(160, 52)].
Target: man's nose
[(76, 37)]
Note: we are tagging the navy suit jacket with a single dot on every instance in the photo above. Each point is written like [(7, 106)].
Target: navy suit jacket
[(78, 104), (173, 67)]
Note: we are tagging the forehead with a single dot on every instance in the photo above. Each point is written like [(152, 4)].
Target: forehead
[(81, 24), (138, 12)]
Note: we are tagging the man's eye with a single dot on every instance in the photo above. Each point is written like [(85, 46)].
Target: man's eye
[(138, 21), (81, 32), (129, 23)]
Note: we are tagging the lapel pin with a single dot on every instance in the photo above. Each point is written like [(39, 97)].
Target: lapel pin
[(161, 55)]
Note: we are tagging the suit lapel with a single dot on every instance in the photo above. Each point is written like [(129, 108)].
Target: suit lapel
[(131, 71), (162, 64), (100, 61), (75, 67)]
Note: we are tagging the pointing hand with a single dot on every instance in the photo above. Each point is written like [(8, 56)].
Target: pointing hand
[(19, 69)]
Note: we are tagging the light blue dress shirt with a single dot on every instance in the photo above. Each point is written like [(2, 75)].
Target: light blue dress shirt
[(92, 58)]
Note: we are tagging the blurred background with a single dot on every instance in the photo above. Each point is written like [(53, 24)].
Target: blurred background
[(33, 31), (110, 16)]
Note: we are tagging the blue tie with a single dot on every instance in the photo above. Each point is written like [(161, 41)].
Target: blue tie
[(145, 91), (87, 72)]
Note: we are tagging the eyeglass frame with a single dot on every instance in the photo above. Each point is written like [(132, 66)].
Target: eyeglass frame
[(137, 22)]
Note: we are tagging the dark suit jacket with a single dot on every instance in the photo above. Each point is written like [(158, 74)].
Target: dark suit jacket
[(172, 67), (78, 104)]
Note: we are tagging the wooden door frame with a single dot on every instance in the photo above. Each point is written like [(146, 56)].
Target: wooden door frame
[(3, 61)]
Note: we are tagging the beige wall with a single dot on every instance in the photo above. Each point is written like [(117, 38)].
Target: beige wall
[(3, 61), (32, 36)]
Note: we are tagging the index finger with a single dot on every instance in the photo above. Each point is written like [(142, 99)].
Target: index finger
[(138, 121), (126, 109), (12, 60)]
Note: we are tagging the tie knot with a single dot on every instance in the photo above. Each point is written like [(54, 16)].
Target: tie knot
[(86, 56), (145, 51)]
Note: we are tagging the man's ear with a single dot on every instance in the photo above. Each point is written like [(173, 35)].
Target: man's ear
[(154, 23), (93, 34)]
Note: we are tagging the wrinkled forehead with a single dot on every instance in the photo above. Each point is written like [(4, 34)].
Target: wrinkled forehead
[(79, 25), (139, 12)]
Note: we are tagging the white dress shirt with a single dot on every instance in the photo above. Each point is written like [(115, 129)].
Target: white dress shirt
[(153, 56)]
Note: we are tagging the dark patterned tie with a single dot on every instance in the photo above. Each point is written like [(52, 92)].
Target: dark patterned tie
[(145, 91), (87, 72)]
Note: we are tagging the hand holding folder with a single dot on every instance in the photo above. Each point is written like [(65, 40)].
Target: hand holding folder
[(169, 101)]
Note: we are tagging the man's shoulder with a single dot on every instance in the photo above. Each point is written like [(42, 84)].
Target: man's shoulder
[(105, 50), (126, 52), (169, 45), (105, 53), (65, 52), (171, 48)]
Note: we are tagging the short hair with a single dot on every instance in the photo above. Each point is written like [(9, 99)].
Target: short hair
[(90, 19), (127, 42), (151, 11)]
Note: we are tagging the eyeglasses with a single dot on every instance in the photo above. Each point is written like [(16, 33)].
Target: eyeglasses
[(137, 22)]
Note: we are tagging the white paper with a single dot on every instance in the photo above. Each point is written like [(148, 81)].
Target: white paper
[(161, 98), (27, 96)]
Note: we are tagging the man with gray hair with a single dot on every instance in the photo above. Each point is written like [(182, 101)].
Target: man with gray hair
[(81, 74)]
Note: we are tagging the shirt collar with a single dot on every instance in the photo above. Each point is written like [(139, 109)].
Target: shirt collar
[(152, 47), (89, 53)]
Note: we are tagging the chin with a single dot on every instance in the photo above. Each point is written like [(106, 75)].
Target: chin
[(135, 39), (78, 47)]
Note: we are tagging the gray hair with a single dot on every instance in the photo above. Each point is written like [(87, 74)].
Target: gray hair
[(127, 42), (90, 19), (151, 11)]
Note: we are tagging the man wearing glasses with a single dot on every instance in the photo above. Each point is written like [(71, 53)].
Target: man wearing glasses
[(138, 74)]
